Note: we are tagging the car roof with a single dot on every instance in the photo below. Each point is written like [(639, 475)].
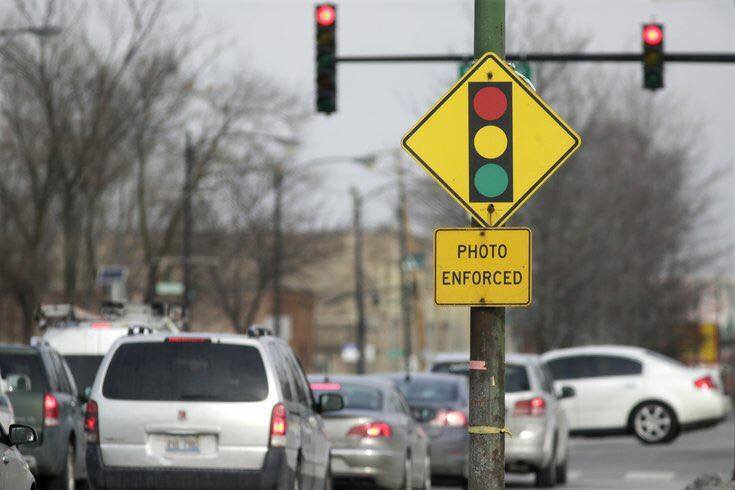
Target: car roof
[(215, 337), (22, 347), (597, 349), (371, 381), (397, 376), (511, 357)]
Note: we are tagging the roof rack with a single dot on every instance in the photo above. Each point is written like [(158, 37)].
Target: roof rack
[(259, 331), (140, 330), (38, 342)]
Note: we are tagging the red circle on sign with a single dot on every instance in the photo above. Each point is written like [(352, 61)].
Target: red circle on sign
[(490, 103)]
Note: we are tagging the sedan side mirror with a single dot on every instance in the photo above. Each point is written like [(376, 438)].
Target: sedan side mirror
[(566, 392), (21, 434), (330, 402)]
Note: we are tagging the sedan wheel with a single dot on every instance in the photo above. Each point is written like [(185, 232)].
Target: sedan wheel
[(654, 423)]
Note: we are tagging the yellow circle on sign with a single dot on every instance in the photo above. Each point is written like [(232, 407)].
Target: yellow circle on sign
[(491, 142)]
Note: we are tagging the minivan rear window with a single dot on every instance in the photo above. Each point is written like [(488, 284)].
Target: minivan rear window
[(23, 372), (174, 371)]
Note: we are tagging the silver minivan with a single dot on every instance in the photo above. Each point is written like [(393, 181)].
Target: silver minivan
[(205, 411)]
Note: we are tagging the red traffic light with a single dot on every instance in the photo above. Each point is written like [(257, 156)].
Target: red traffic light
[(653, 35), (325, 15)]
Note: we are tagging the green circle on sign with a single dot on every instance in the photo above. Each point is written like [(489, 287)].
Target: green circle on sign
[(491, 180)]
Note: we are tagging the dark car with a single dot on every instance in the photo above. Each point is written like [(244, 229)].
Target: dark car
[(44, 397), (440, 402)]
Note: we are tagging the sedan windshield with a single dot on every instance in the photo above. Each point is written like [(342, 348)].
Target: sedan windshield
[(428, 390)]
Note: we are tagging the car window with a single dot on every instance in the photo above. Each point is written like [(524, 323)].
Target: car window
[(547, 380), (84, 369), (459, 367), (64, 385), (516, 378), (617, 366), (355, 396), (300, 383), (591, 366), (428, 390), (284, 380), (172, 371), (23, 372)]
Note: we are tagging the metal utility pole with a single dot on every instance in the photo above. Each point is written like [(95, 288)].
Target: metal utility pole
[(186, 252), (403, 255), (359, 279), (487, 325), (277, 247)]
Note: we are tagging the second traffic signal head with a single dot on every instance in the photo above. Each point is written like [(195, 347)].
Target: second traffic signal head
[(325, 15), (490, 142), (653, 56)]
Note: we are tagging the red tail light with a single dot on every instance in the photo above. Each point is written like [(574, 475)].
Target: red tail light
[(371, 430), (705, 383), (326, 386), (50, 411), (533, 407), (188, 340), (449, 418), (92, 422), (279, 426)]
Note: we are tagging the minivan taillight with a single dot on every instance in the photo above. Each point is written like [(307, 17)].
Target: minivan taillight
[(449, 418), (92, 422), (533, 407), (371, 430), (705, 383), (279, 426), (50, 411)]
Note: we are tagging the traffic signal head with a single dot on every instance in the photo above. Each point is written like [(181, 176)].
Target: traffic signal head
[(490, 142), (325, 15), (653, 56)]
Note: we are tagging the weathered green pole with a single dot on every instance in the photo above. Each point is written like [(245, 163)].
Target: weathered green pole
[(487, 325)]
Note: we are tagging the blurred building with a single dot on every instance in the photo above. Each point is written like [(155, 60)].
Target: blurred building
[(332, 280)]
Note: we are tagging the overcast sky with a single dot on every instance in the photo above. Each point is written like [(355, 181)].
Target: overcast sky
[(379, 102)]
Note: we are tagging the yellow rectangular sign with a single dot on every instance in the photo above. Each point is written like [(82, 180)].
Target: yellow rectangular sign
[(482, 267)]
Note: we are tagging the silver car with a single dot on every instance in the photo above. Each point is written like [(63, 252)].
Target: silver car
[(205, 411), (534, 415), (440, 403), (15, 474), (374, 438)]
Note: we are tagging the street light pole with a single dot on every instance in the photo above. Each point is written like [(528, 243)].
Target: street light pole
[(186, 252), (359, 279), (277, 246), (487, 325), (403, 255)]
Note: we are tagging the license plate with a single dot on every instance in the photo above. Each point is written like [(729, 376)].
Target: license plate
[(182, 444)]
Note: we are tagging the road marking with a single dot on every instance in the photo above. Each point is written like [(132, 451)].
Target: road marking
[(650, 475), (574, 475)]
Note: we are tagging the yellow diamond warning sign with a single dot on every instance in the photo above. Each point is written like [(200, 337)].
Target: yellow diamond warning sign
[(491, 141), (482, 267)]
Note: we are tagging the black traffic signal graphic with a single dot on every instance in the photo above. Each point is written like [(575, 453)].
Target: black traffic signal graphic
[(653, 56), (491, 141), (326, 53)]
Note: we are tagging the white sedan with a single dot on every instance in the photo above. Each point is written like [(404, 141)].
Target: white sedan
[(634, 390)]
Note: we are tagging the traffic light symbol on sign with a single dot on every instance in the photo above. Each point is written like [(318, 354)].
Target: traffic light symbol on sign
[(490, 141), (326, 52), (653, 56)]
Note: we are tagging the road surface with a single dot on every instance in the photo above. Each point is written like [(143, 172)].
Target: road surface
[(623, 462)]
